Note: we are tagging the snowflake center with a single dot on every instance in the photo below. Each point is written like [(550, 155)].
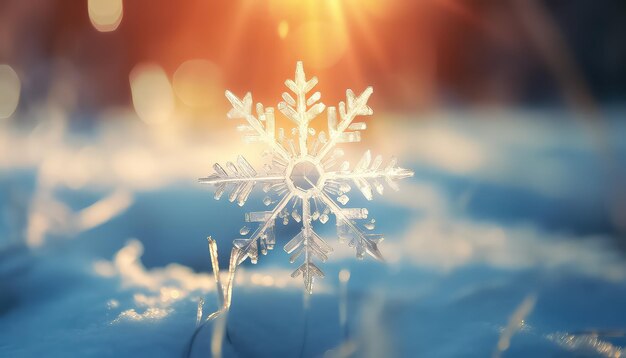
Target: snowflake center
[(305, 175)]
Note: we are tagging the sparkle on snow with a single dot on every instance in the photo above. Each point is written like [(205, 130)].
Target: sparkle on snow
[(305, 175)]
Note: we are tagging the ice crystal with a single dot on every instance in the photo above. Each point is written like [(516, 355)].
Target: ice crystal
[(305, 176)]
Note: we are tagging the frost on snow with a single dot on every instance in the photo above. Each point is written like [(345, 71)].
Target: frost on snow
[(305, 181)]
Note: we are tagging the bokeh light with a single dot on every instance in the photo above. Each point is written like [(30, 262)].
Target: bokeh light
[(151, 93), (105, 15), (9, 91), (283, 29), (197, 83)]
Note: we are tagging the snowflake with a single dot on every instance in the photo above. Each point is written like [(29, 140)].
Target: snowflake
[(304, 176)]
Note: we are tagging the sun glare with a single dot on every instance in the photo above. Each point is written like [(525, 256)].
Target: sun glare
[(319, 32)]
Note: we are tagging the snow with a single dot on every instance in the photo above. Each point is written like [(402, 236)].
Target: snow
[(110, 262)]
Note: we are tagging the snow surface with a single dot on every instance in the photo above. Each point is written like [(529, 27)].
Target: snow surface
[(504, 221)]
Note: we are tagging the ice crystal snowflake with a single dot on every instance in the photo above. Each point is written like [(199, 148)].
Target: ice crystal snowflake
[(304, 177)]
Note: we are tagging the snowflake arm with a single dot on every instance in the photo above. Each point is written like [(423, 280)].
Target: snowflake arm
[(307, 242), (348, 231), (241, 176), (296, 109), (249, 247), (355, 106), (368, 173), (242, 108)]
